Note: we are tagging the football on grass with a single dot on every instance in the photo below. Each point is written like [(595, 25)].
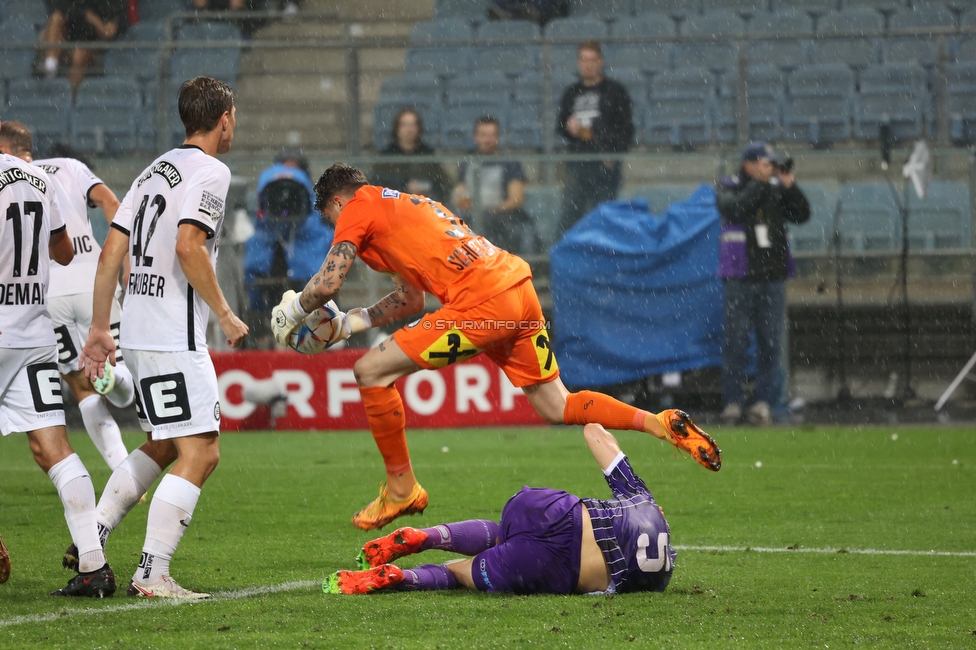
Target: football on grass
[(317, 330)]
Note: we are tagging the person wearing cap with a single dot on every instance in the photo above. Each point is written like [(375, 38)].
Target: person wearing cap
[(289, 235), (754, 262)]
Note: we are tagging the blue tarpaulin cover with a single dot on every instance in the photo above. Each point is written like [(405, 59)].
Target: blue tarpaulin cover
[(636, 294)]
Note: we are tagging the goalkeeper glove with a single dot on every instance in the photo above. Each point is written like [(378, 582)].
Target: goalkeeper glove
[(287, 316)]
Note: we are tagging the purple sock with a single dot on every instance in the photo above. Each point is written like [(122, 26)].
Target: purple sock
[(465, 537), (428, 577)]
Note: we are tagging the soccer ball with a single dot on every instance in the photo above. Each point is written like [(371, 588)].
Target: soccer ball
[(316, 332)]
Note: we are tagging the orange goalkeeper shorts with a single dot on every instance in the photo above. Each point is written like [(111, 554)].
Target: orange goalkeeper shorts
[(509, 328)]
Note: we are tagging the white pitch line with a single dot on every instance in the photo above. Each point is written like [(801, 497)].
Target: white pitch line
[(853, 551), (233, 594)]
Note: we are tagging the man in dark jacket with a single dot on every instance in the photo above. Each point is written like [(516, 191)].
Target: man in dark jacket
[(754, 262), (595, 116)]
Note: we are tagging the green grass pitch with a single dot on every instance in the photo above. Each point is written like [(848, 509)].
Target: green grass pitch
[(768, 554)]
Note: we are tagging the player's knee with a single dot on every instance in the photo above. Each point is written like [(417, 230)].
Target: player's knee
[(364, 372)]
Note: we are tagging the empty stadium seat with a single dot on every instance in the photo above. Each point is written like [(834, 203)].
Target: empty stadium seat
[(869, 217), (942, 220), (43, 105), (676, 8), (720, 54), (964, 47), (893, 94), (105, 114), (816, 235), (604, 8), (460, 8), (544, 205), (441, 29), (788, 52), (853, 47), (528, 88), (508, 57), (766, 90), (16, 62), (813, 7), (745, 7), (818, 104), (680, 107), (646, 55), (161, 9), (524, 128), (660, 197), (487, 88), (442, 61), (577, 28), (31, 11), (886, 6), (961, 101), (920, 49), (141, 63)]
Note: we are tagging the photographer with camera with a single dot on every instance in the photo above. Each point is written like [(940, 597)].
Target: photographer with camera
[(754, 261)]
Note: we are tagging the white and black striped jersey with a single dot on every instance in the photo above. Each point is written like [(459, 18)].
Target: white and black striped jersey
[(161, 310), (29, 215), (73, 182)]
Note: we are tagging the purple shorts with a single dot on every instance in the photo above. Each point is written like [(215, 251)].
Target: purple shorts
[(539, 542)]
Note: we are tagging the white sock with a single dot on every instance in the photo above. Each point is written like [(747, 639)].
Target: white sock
[(103, 430), (124, 391), (169, 515), (125, 487), (51, 65), (77, 493)]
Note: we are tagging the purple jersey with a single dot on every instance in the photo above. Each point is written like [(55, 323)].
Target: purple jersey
[(632, 532)]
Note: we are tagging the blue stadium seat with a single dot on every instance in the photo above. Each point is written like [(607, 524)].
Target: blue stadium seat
[(440, 30), (745, 7), (457, 126), (961, 101), (852, 48), (766, 90), (812, 7), (16, 63), (818, 104), (816, 234), (676, 8), (964, 47), (213, 30), (869, 218), (486, 88), (187, 63), (161, 9), (646, 55), (460, 8), (783, 52), (141, 63), (528, 88), (660, 197), (680, 108), (413, 87), (893, 94), (885, 6), (105, 115), (509, 58), (31, 11), (442, 61), (942, 219), (619, 9), (544, 205), (720, 54), (920, 49), (43, 105), (579, 28), (524, 128)]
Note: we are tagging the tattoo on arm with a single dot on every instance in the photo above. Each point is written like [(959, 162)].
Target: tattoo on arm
[(330, 277)]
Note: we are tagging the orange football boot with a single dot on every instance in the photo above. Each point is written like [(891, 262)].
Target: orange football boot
[(363, 582), (684, 434), (385, 509), (401, 542)]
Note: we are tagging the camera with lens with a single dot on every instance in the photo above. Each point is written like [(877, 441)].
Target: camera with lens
[(784, 166)]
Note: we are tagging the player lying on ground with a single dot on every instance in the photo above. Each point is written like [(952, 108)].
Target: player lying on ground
[(70, 291), (547, 542), (4, 563), (32, 233), (489, 305)]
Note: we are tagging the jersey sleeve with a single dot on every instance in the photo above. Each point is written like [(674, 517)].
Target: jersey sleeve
[(354, 224), (203, 205), (57, 219), (622, 480), (123, 216), (86, 178)]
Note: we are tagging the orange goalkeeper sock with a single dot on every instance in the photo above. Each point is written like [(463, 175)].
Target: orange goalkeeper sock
[(388, 424), (587, 407)]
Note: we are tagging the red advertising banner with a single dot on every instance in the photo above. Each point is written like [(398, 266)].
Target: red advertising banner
[(321, 393)]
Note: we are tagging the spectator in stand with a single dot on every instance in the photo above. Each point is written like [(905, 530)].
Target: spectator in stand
[(406, 139), (595, 116), (501, 193), (754, 261), (81, 20), (540, 11), (289, 239), (219, 5)]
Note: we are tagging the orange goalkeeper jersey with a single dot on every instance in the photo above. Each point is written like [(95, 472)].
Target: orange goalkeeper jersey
[(424, 243)]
